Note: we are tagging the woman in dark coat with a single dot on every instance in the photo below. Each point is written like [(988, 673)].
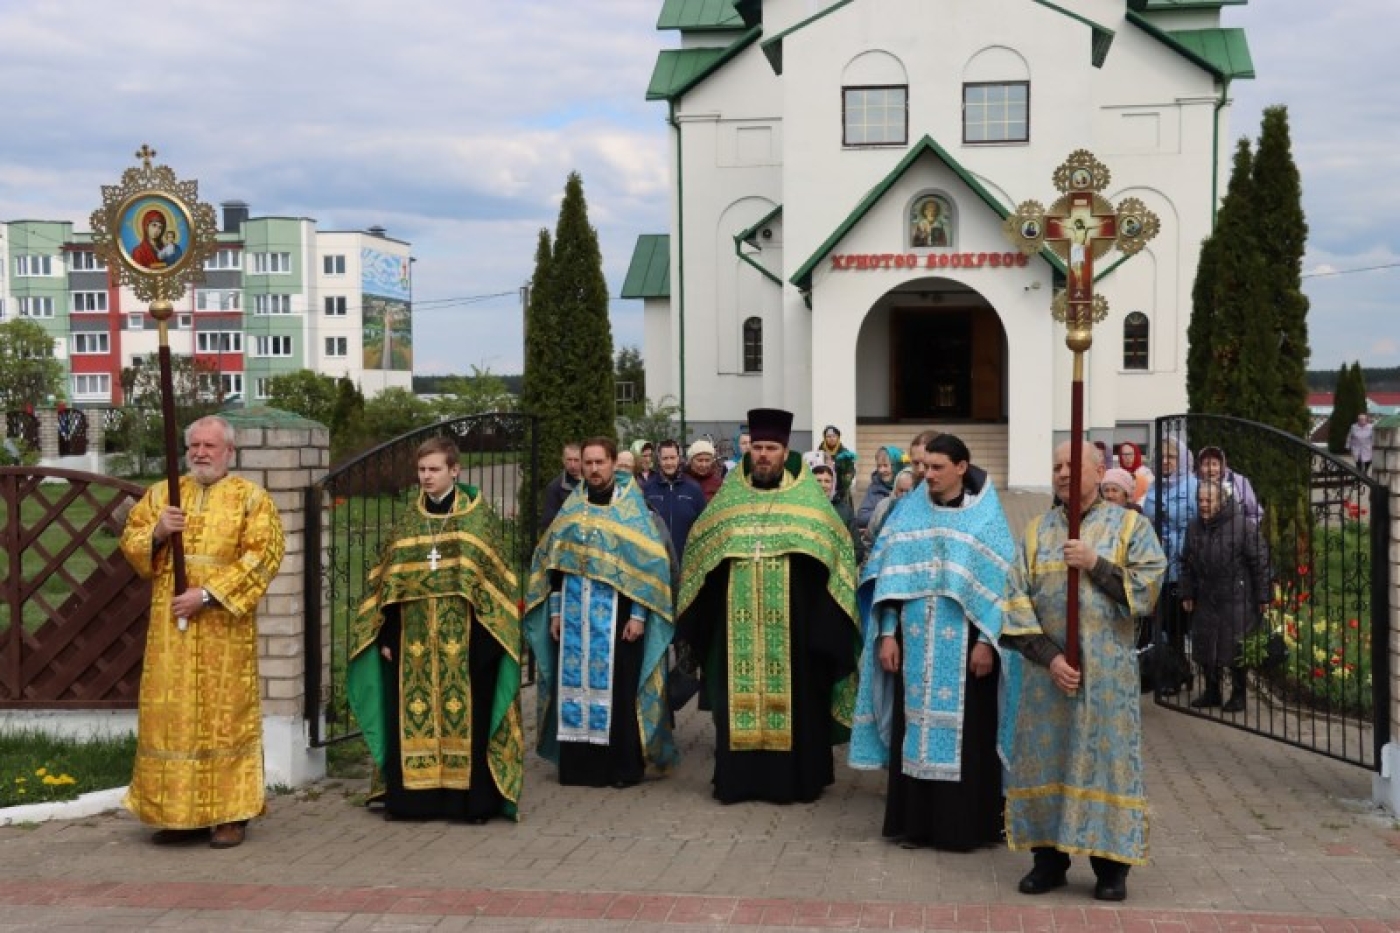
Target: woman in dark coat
[(1225, 582)]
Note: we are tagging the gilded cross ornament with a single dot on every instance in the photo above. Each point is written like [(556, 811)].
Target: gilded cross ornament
[(1080, 227)]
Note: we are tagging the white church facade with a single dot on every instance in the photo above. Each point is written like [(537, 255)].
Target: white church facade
[(840, 173)]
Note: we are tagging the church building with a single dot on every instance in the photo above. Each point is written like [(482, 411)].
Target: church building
[(841, 171)]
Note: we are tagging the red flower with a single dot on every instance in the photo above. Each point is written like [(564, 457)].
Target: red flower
[(1351, 667), (1352, 623), (1303, 570), (1303, 597), (1319, 673)]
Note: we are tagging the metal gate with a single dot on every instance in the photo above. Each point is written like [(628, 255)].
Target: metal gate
[(351, 510), (1302, 577)]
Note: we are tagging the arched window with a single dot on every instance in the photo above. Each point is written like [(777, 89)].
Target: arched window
[(753, 345), (1135, 334)]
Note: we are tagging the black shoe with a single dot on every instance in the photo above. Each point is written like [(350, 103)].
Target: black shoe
[(1168, 691), (1111, 889), (1041, 880), (1205, 700), (1235, 704)]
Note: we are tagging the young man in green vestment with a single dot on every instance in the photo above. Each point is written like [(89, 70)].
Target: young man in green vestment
[(434, 677), (1075, 784), (767, 607)]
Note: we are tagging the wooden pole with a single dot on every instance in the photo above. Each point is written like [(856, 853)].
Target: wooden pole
[(1074, 505), (161, 310)]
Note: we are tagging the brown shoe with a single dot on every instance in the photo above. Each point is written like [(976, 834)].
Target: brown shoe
[(227, 836), (175, 837)]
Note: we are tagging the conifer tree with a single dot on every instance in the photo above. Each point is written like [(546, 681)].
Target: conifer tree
[(1200, 331), (1278, 215), (1348, 400)]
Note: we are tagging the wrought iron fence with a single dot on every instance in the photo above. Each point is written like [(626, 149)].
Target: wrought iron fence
[(1277, 587), (354, 508)]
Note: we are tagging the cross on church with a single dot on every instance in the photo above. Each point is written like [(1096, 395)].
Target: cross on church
[(1079, 227)]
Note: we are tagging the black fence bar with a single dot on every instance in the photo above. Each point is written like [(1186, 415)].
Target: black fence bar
[(1381, 617), (312, 577)]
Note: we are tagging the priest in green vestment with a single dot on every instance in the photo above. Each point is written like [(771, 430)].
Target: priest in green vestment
[(767, 607), (434, 674)]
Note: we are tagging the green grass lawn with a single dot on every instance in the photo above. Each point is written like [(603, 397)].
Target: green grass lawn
[(37, 768)]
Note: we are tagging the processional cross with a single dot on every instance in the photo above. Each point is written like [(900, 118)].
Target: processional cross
[(1079, 227)]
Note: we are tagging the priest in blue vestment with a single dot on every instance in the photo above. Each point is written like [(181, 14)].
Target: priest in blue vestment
[(931, 602), (1075, 785), (598, 619)]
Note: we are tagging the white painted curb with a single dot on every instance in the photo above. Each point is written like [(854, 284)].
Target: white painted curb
[(90, 804)]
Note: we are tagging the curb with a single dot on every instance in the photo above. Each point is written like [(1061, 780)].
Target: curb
[(89, 804)]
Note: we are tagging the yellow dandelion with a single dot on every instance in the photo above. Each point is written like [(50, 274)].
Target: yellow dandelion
[(21, 780), (67, 779), (41, 772)]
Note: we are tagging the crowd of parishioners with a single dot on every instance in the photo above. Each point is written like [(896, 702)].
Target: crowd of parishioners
[(940, 657)]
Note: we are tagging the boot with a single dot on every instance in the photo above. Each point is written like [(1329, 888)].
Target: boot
[(1236, 702), (1211, 696)]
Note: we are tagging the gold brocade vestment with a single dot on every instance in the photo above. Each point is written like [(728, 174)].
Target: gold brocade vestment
[(199, 756)]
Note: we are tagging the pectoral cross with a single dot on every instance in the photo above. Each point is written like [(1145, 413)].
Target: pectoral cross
[(433, 558), (758, 549)]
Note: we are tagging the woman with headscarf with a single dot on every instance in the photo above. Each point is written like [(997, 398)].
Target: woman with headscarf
[(1211, 464), (888, 461), (843, 460), (1130, 459), (1170, 505)]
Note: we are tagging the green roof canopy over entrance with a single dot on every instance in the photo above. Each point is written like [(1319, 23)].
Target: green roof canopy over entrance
[(649, 274)]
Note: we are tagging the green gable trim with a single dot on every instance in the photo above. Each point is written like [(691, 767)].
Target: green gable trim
[(649, 274), (773, 48), (749, 235), (802, 278), (1101, 36), (1235, 48), (679, 70), (700, 16)]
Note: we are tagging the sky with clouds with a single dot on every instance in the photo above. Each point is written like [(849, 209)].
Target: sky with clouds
[(454, 125)]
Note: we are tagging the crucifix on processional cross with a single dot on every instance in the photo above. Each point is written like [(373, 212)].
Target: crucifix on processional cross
[(1079, 227)]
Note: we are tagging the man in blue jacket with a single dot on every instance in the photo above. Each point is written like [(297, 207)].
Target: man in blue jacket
[(673, 495)]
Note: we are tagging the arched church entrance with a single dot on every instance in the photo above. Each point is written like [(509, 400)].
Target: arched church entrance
[(932, 353)]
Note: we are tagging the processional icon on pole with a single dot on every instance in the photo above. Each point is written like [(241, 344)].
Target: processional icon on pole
[(155, 234), (1080, 227)]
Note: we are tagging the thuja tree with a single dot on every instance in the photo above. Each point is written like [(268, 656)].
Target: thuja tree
[(569, 380), (1278, 209)]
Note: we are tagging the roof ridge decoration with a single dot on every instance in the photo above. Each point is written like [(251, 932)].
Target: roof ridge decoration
[(802, 278)]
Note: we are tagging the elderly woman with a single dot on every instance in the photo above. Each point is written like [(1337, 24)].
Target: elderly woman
[(1225, 583), (1172, 515)]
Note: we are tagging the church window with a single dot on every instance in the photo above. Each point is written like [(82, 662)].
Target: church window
[(996, 112), (753, 345), (1135, 334), (875, 116)]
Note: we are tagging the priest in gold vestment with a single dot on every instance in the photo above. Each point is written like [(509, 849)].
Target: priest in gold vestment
[(199, 751)]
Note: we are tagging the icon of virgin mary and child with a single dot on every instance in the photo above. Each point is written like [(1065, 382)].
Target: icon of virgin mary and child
[(160, 242)]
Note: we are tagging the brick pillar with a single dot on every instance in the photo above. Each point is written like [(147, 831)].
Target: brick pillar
[(1386, 785), (96, 438), (48, 434), (283, 453)]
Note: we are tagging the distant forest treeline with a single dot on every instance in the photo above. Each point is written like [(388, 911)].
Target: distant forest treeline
[(432, 385), (1377, 380)]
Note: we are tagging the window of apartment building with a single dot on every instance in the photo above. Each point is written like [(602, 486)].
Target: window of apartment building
[(232, 383), (135, 322), (272, 304), (753, 345), (89, 301), (36, 306), (2, 309), (84, 344), (214, 341), (225, 259), (41, 350), (1136, 330), (337, 346), (92, 385), (217, 299), (875, 116), (26, 266), (260, 387), (335, 305), (272, 263), (333, 265), (272, 346), (85, 260), (184, 321), (997, 112)]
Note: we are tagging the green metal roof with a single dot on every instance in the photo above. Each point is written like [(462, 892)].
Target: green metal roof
[(1226, 49), (679, 70), (750, 235), (802, 278), (1154, 6), (649, 275), (699, 16), (1222, 52)]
